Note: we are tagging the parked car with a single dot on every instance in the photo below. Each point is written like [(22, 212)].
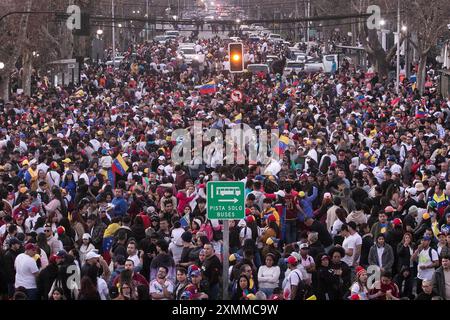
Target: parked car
[(187, 54), (175, 33), (293, 66)]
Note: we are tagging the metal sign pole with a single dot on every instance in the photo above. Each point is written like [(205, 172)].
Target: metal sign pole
[(225, 255)]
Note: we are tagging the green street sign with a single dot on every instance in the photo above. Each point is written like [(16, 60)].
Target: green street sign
[(225, 200)]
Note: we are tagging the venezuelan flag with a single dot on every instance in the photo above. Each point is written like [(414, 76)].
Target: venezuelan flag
[(238, 118), (208, 88), (119, 166), (420, 113), (111, 176), (283, 143)]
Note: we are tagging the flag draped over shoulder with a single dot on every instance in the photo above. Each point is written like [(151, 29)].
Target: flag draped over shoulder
[(208, 88), (283, 144), (119, 166)]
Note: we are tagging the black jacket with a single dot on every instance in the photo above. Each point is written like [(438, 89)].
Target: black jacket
[(324, 235), (405, 284), (403, 256), (315, 249), (10, 271), (326, 281), (45, 280), (212, 269)]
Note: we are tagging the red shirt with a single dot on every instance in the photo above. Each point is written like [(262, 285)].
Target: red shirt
[(384, 288)]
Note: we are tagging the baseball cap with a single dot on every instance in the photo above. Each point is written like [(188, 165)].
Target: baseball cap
[(92, 255), (427, 238), (194, 271), (86, 236), (389, 209), (397, 222), (31, 246), (304, 246), (61, 254), (292, 260), (13, 241), (327, 195)]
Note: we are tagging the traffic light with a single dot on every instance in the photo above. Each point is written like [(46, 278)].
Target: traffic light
[(236, 54)]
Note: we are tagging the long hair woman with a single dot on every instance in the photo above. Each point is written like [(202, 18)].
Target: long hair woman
[(359, 287), (57, 204), (242, 289), (88, 290)]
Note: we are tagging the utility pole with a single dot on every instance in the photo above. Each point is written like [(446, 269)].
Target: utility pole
[(296, 24), (398, 48), (146, 23), (309, 15), (113, 34)]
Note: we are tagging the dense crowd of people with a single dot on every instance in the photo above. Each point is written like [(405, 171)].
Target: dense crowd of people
[(362, 185)]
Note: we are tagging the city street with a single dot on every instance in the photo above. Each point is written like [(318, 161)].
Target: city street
[(224, 151)]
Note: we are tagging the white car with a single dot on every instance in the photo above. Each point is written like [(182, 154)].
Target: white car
[(172, 33), (118, 60), (161, 39), (187, 54), (275, 38), (292, 66), (314, 65)]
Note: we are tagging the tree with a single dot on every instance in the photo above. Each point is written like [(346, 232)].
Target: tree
[(13, 33), (430, 19)]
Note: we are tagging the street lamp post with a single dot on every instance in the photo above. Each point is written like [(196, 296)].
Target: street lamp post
[(113, 34), (398, 49)]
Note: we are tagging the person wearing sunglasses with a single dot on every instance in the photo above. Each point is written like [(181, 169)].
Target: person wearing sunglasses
[(55, 244)]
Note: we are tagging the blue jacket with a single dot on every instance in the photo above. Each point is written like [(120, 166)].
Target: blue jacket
[(120, 207), (306, 203)]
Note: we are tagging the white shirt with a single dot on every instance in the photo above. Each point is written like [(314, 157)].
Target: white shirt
[(293, 279), (380, 251), (246, 233), (102, 288), (396, 169), (424, 260), (42, 166), (155, 287), (26, 268), (30, 222), (351, 242), (135, 259), (105, 162), (268, 277), (53, 178)]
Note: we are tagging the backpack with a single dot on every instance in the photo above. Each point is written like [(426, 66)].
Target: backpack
[(302, 289)]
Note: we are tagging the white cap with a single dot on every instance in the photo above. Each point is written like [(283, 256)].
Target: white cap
[(34, 161), (86, 236), (242, 223), (162, 158), (176, 236), (92, 255)]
